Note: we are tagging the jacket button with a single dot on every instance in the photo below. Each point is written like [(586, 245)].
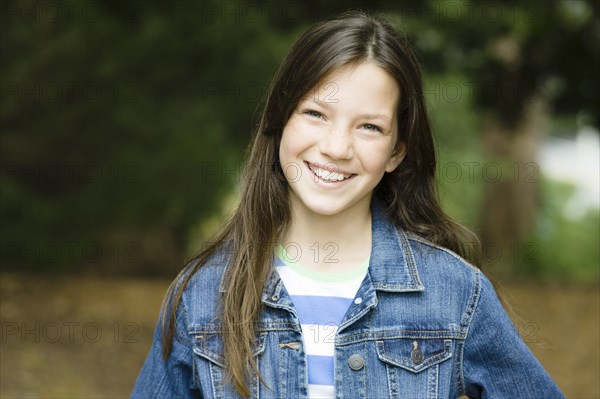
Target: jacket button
[(416, 355), (358, 301), (356, 362)]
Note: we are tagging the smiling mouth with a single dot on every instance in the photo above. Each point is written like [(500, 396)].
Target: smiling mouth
[(327, 175)]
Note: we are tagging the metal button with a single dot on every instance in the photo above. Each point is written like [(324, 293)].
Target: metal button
[(356, 362), (416, 355), (358, 301)]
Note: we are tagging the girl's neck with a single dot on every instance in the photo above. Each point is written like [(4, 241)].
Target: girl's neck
[(330, 241)]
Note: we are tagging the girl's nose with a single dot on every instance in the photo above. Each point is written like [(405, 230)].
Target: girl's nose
[(337, 144)]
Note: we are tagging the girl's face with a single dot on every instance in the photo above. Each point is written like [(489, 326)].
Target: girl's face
[(339, 141)]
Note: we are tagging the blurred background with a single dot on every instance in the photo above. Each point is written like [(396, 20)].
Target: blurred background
[(123, 131)]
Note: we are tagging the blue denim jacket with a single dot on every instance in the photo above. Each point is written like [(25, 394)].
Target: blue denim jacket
[(429, 325)]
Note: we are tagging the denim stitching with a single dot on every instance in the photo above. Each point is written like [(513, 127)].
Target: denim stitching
[(432, 382), (391, 334), (195, 372), (473, 302), (195, 329), (413, 237), (409, 256), (206, 353), (460, 383), (466, 322), (403, 362), (392, 381), (365, 369), (213, 379)]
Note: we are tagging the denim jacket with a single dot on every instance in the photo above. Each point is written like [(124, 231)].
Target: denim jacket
[(427, 325)]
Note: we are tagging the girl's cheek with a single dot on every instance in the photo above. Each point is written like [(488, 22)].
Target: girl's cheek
[(311, 127), (374, 153)]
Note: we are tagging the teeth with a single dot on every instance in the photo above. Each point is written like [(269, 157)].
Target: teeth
[(328, 175)]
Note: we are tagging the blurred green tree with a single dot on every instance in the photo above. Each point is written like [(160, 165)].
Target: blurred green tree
[(123, 130), (123, 123), (523, 61)]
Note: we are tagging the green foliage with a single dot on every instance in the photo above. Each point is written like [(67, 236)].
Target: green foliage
[(562, 247), (127, 133), (124, 129), (455, 126), (515, 50)]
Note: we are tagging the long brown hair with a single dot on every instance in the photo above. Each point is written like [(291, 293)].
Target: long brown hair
[(408, 193)]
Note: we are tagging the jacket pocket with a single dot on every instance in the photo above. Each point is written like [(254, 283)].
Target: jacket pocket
[(416, 367), (414, 354), (211, 347), (210, 365)]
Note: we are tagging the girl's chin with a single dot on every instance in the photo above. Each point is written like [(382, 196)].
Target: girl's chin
[(327, 209), (320, 208)]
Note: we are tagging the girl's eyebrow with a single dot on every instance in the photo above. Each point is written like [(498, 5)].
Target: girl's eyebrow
[(381, 117), (325, 104)]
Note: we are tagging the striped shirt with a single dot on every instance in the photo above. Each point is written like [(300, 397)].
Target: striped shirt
[(321, 301)]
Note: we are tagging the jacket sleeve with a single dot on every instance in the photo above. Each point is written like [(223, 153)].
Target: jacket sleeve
[(173, 377), (496, 361)]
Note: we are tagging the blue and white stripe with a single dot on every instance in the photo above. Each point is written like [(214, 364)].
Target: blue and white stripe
[(321, 301)]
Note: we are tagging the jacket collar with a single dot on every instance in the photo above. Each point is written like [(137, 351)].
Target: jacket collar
[(392, 266)]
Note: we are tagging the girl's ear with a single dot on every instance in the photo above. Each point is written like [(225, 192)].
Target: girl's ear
[(396, 158)]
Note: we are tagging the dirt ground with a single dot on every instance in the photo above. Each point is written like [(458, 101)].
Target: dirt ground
[(88, 337)]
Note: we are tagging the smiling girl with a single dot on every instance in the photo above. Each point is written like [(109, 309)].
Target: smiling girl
[(342, 146), (338, 275)]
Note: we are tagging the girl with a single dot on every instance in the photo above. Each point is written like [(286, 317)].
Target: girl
[(339, 275)]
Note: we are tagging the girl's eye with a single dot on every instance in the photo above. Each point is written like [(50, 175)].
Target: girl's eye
[(314, 114), (374, 128)]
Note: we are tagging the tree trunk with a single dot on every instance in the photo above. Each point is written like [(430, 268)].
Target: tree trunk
[(511, 196)]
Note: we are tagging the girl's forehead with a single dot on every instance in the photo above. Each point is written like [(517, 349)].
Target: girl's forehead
[(365, 82)]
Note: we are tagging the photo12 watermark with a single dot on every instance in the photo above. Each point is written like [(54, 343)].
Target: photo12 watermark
[(68, 172), (58, 252), (70, 332), (472, 12), (489, 172), (251, 12), (37, 92), (67, 11), (468, 92)]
